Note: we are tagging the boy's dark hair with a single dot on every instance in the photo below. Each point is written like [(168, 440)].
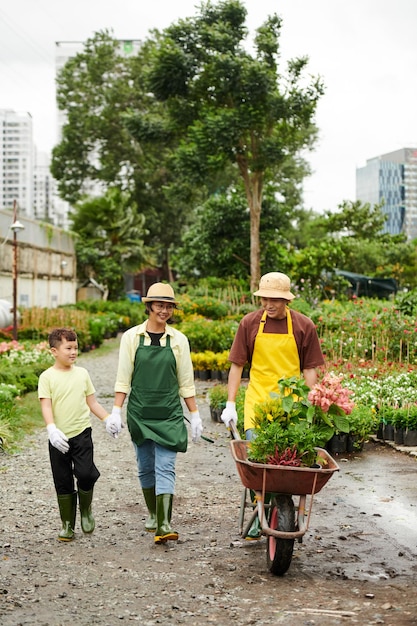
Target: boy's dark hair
[(58, 334)]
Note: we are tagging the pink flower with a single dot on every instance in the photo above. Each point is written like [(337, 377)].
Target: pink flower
[(329, 392)]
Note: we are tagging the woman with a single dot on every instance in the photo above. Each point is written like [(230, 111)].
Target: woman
[(156, 370)]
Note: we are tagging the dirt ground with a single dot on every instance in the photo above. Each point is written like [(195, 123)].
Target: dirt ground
[(356, 565)]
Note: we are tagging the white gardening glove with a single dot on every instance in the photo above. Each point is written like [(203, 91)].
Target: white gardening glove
[(57, 438), (196, 426), (114, 422), (229, 413)]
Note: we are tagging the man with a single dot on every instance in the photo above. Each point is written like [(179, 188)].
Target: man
[(277, 343)]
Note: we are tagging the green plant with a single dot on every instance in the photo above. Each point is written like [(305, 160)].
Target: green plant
[(398, 417), (297, 420), (240, 406), (217, 396), (279, 438), (363, 421), (386, 414), (22, 417), (204, 334), (412, 417)]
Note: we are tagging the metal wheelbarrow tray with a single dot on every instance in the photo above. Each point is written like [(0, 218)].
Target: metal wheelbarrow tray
[(281, 478)]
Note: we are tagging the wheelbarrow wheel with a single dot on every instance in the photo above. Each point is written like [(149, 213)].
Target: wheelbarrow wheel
[(279, 551)]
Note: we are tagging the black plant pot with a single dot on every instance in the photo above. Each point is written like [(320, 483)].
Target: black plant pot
[(399, 436), (410, 438), (213, 414), (353, 444), (380, 431), (388, 433), (337, 444)]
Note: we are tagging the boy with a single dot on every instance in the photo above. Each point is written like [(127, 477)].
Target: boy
[(66, 394)]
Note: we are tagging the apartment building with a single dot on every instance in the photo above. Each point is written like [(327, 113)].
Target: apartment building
[(16, 161), (392, 179)]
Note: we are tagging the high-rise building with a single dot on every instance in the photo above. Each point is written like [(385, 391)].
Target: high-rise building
[(16, 161), (391, 179), (47, 205), (43, 185)]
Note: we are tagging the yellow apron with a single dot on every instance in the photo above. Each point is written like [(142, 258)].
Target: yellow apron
[(274, 356)]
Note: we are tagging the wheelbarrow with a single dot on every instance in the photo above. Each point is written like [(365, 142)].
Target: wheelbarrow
[(281, 519)]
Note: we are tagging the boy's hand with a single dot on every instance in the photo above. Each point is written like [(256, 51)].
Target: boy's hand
[(57, 438), (114, 422)]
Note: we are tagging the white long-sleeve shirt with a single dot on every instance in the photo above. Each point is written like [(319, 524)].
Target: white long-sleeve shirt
[(179, 345)]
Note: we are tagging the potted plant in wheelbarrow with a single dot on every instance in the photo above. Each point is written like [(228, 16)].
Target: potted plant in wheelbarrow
[(291, 424), (286, 458)]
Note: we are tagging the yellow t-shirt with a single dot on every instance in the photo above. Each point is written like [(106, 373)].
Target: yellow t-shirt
[(68, 390)]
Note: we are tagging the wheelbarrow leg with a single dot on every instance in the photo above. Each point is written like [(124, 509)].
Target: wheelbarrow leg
[(242, 510)]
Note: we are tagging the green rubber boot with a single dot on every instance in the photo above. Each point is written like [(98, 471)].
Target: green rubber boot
[(255, 531), (150, 499), (88, 523), (68, 510), (164, 531)]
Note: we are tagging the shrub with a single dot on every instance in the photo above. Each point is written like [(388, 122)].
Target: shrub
[(363, 421), (217, 396), (205, 306), (211, 335)]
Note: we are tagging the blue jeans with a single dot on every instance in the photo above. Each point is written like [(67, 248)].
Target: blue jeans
[(156, 466), (250, 434)]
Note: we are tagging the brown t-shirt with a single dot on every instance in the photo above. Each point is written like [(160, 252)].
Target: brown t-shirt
[(305, 335)]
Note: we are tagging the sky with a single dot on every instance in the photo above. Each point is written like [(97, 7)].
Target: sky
[(365, 51)]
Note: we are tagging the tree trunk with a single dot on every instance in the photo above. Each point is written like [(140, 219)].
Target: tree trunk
[(255, 255), (166, 268), (254, 186)]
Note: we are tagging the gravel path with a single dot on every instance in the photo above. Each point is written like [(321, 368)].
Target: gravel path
[(210, 576)]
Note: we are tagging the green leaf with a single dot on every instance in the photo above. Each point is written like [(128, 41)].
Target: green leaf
[(341, 423), (287, 403)]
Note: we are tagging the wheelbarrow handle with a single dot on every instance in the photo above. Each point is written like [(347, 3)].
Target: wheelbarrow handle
[(233, 429)]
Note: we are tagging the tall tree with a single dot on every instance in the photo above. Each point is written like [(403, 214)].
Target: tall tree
[(217, 242), (97, 90), (229, 106), (110, 239), (94, 88)]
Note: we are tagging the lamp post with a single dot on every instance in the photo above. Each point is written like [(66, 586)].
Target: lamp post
[(15, 227)]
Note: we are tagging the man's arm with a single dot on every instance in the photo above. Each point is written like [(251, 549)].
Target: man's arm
[(234, 380), (310, 376)]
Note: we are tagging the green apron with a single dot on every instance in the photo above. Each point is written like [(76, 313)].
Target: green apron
[(154, 409)]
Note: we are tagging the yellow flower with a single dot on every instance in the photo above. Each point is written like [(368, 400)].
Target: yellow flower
[(269, 417)]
